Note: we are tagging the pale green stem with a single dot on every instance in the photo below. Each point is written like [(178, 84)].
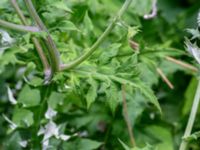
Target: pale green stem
[(21, 28), (19, 12), (99, 40), (191, 119), (45, 63), (53, 52)]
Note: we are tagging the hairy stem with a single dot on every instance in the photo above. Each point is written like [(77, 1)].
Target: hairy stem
[(12, 26), (53, 52), (181, 63), (45, 63), (125, 112), (191, 119), (165, 79), (99, 40)]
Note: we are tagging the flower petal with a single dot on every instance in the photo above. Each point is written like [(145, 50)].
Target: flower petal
[(50, 113), (11, 97)]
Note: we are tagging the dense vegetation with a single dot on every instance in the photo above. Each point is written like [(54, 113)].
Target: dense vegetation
[(99, 74)]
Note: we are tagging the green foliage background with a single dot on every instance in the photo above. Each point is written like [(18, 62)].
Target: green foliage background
[(88, 98)]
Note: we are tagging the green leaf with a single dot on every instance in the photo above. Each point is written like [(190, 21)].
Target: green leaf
[(189, 96), (36, 81), (12, 142), (162, 136), (144, 89), (124, 145), (66, 26), (142, 7), (137, 102), (148, 147), (148, 93), (149, 77), (92, 92), (193, 137), (88, 22), (82, 144), (107, 55), (112, 97), (29, 97), (87, 144), (132, 31), (165, 6), (62, 5), (55, 99), (23, 118)]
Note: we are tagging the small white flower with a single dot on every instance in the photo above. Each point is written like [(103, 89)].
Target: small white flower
[(19, 84), (45, 145), (10, 96), (64, 137), (193, 50), (152, 116), (12, 125), (51, 130), (5, 38), (5, 41), (23, 143), (83, 134), (67, 86), (41, 131), (50, 113)]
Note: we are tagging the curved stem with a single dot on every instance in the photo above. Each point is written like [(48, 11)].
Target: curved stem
[(53, 52), (45, 63), (99, 40), (191, 119), (19, 12), (9, 25)]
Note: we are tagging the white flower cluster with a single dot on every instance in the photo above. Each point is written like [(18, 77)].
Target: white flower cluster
[(48, 131), (5, 40), (193, 48), (51, 130)]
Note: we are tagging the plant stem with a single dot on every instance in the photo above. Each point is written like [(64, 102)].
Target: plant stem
[(41, 111), (191, 119), (8, 25), (53, 52), (19, 12), (125, 112), (165, 79), (45, 63), (99, 40), (181, 63)]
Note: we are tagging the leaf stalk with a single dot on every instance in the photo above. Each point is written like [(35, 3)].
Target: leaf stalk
[(53, 51), (99, 40), (45, 63), (21, 28), (188, 130)]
